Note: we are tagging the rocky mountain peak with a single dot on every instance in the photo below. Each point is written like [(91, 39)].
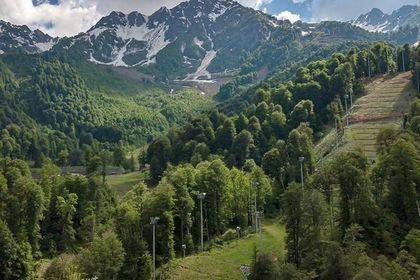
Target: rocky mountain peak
[(378, 21), (21, 36)]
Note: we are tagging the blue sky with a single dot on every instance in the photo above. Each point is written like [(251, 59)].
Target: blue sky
[(316, 10), (277, 6), (69, 17)]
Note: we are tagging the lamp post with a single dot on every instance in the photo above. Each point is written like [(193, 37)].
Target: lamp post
[(238, 232), (153, 222), (403, 60), (301, 160), (184, 247), (347, 109), (260, 215), (201, 197), (255, 185), (417, 67)]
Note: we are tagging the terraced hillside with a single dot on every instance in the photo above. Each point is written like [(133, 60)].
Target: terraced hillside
[(387, 97)]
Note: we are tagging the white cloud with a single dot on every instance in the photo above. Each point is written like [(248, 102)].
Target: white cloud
[(73, 16), (288, 15), (68, 18)]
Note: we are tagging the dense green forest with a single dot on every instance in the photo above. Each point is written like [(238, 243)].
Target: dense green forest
[(53, 106), (351, 219)]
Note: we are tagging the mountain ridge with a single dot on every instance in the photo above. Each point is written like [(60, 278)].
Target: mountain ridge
[(378, 21), (21, 36), (192, 41)]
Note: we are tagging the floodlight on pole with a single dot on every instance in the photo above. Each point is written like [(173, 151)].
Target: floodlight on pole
[(153, 222), (184, 248), (238, 232), (201, 197), (301, 160)]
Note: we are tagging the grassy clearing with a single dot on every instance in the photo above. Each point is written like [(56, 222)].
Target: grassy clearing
[(387, 95), (124, 182), (224, 262)]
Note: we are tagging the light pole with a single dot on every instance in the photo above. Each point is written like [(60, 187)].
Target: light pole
[(417, 67), (347, 109), (403, 60), (184, 247), (301, 160), (201, 196), (260, 215), (255, 185), (153, 222), (238, 232)]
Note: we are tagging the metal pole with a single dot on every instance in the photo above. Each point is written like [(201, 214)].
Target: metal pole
[(403, 59), (368, 60), (184, 247), (153, 222), (201, 196), (301, 173), (256, 214), (201, 224), (154, 251), (255, 185), (301, 159), (336, 125), (347, 110)]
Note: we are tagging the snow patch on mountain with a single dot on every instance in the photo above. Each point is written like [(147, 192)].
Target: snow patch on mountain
[(156, 41), (43, 47), (21, 37), (97, 31), (378, 21), (218, 11), (201, 71), (124, 34), (198, 42), (374, 28)]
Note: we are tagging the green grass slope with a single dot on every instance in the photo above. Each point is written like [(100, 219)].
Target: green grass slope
[(381, 107), (224, 262), (123, 183)]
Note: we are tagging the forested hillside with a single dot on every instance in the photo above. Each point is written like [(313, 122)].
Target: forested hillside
[(111, 167), (366, 213), (348, 218), (52, 106)]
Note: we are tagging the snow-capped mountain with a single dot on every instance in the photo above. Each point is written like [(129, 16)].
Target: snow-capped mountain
[(20, 36), (198, 38), (378, 21), (195, 36)]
